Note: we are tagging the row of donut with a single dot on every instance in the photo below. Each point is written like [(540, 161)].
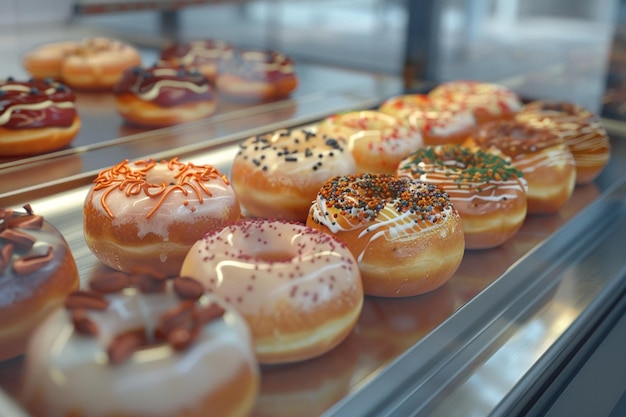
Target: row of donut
[(296, 284), (40, 115)]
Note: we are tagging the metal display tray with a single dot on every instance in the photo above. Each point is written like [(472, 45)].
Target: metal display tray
[(410, 354)]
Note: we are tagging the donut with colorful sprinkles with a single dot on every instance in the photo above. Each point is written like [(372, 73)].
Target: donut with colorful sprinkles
[(277, 175), (299, 289), (405, 234), (487, 191)]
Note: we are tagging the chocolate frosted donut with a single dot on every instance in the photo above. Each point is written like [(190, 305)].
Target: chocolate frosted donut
[(36, 116), (37, 271)]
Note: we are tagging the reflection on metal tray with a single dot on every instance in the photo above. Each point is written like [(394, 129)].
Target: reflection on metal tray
[(400, 347)]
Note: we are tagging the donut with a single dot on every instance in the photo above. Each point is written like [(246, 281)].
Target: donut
[(163, 95), (253, 75), (581, 130), (36, 117), (544, 159), (486, 190), (406, 235), (37, 271), (437, 122), (204, 55), (487, 101), (92, 64), (377, 140), (45, 61), (143, 216), (125, 344), (299, 290), (277, 175)]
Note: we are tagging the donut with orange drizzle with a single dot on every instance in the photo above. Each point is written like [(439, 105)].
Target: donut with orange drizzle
[(378, 141), (405, 234), (488, 192), (543, 157), (36, 116), (299, 289), (581, 130), (144, 216)]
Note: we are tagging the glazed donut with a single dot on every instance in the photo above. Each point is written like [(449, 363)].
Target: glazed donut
[(298, 289), (123, 346), (45, 61), (93, 64), (277, 175), (144, 216), (545, 161), (405, 234), (37, 271), (36, 117), (377, 140), (204, 55), (256, 76), (438, 123), (581, 130), (163, 95), (487, 101), (486, 190)]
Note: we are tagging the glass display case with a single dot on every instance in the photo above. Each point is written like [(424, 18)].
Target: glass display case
[(493, 340)]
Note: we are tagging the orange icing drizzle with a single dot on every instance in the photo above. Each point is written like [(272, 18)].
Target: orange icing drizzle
[(132, 181)]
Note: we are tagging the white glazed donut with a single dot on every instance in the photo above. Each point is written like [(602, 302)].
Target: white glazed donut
[(277, 175), (377, 140), (125, 345), (145, 215), (299, 289)]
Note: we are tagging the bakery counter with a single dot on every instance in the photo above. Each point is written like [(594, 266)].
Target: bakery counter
[(468, 342)]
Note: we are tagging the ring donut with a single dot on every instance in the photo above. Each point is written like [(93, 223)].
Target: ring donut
[(253, 75), (377, 140), (277, 175), (298, 289), (122, 346), (145, 215), (163, 95), (437, 122), (37, 271), (405, 234), (487, 101), (544, 159), (205, 55), (36, 117), (487, 191), (581, 130)]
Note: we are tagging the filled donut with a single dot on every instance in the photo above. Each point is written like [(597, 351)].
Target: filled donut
[(377, 140), (405, 234), (544, 159), (254, 75), (37, 271), (277, 175), (143, 216), (163, 95), (204, 55), (581, 130), (36, 117), (126, 344), (487, 191), (299, 289), (487, 101)]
